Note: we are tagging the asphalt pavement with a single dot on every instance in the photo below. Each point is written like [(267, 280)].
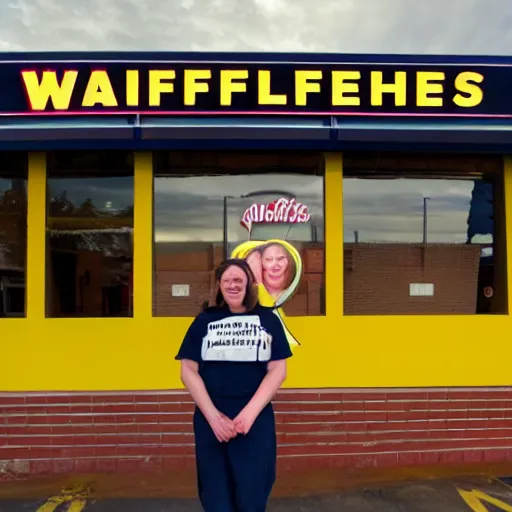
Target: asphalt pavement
[(477, 494)]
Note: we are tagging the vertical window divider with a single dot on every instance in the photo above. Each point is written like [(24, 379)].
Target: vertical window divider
[(36, 237), (333, 234), (143, 236)]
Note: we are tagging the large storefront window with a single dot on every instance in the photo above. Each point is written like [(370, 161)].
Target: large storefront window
[(424, 234), (13, 233), (90, 234), (209, 205)]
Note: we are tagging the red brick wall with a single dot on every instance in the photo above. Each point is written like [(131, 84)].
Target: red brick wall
[(377, 278), (196, 268), (119, 432)]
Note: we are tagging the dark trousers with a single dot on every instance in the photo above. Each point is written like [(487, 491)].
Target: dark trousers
[(236, 476)]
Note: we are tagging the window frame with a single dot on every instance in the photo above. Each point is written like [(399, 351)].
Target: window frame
[(331, 161), (454, 165), (41, 170)]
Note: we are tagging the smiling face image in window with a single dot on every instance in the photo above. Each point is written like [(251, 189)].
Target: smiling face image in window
[(278, 269)]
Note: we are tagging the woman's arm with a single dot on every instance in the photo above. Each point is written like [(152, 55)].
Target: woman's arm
[(276, 375), (222, 426), (195, 386)]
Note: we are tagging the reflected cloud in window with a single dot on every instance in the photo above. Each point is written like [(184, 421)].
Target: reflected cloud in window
[(393, 210), (191, 208)]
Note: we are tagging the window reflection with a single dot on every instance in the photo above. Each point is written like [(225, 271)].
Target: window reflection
[(199, 197), (13, 233), (424, 241), (90, 234)]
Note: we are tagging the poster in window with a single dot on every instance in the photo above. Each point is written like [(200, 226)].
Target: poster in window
[(275, 262)]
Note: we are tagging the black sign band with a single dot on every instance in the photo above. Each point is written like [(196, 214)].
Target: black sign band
[(213, 88)]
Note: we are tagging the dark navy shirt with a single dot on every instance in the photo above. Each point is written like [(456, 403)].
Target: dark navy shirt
[(233, 349)]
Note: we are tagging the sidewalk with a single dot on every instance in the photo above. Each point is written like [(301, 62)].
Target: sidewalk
[(462, 494)]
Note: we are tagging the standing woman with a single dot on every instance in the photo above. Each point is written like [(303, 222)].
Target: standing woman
[(233, 361)]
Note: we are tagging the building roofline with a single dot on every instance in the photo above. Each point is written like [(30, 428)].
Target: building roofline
[(276, 57)]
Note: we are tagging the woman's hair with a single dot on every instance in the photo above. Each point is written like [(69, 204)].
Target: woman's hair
[(291, 270), (251, 290)]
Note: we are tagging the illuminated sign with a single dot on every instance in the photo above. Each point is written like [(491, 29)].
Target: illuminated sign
[(281, 210), (214, 87)]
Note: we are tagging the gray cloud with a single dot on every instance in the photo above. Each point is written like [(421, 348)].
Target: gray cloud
[(362, 26), (392, 210), (116, 191), (192, 208)]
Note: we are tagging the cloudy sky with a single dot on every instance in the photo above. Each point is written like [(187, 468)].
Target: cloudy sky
[(385, 211), (398, 26)]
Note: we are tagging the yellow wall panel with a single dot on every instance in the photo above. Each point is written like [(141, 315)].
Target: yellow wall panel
[(125, 354), (143, 236)]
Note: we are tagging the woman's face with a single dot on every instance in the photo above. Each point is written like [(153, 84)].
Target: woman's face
[(275, 263), (233, 284)]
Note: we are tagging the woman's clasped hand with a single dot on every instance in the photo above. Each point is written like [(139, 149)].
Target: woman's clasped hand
[(222, 426), (226, 428)]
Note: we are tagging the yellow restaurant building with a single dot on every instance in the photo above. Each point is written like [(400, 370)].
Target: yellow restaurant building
[(126, 178)]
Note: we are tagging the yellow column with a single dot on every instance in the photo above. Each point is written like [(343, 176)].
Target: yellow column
[(143, 237), (334, 234), (36, 236), (508, 224)]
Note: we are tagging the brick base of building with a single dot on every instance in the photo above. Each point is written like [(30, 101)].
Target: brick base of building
[(50, 433)]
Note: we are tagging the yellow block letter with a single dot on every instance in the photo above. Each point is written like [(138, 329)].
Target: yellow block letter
[(265, 97), (464, 85), (340, 87), (157, 87), (398, 88), (303, 85), (40, 92), (132, 88), (228, 87), (425, 86), (192, 86), (99, 90)]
